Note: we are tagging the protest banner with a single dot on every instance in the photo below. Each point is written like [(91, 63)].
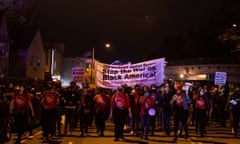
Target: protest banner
[(143, 73)]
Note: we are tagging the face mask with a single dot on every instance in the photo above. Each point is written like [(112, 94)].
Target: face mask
[(147, 94), (21, 89), (178, 92)]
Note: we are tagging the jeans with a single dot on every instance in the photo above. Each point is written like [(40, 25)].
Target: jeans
[(120, 117), (49, 121), (145, 119), (167, 121), (69, 121)]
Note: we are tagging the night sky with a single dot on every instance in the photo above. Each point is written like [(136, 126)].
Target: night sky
[(137, 29)]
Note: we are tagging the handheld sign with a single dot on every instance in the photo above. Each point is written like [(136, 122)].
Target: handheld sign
[(220, 78)]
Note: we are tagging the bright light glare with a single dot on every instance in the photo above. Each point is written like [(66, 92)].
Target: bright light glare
[(234, 25), (107, 45), (181, 75), (202, 76)]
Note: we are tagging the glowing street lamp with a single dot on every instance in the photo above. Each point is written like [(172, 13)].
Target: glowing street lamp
[(107, 45), (234, 25)]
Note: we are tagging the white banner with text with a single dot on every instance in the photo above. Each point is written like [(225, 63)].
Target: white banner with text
[(144, 73)]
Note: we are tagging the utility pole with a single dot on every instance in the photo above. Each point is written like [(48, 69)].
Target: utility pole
[(92, 66)]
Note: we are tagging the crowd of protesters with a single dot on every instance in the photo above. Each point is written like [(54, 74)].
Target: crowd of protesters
[(142, 109)]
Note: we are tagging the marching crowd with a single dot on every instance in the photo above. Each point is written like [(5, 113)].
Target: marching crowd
[(141, 109)]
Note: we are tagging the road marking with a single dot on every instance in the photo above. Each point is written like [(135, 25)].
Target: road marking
[(36, 134), (196, 142)]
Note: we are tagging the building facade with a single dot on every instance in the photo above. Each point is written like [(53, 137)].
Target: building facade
[(4, 45), (53, 60), (203, 69), (35, 60), (78, 62)]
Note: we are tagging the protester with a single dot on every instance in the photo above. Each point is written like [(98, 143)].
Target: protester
[(146, 102), (84, 112), (103, 104), (221, 102), (180, 103), (19, 108), (91, 94), (70, 104), (120, 108), (236, 110), (228, 107), (159, 107), (4, 119), (49, 102), (30, 117), (168, 93), (153, 110), (135, 107), (192, 92), (60, 107), (211, 99), (201, 107), (127, 125)]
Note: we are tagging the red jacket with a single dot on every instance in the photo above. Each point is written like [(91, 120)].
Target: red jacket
[(146, 104), (120, 100)]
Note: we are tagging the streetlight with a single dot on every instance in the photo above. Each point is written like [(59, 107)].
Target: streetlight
[(106, 45), (181, 75)]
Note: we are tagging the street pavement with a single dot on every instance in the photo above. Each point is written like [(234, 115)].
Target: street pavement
[(215, 135)]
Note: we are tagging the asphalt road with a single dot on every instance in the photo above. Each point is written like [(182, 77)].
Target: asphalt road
[(215, 135)]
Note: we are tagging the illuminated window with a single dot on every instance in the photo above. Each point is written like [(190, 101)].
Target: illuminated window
[(38, 60)]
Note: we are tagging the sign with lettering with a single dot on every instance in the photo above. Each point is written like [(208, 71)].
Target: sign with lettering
[(144, 73), (220, 78), (78, 74)]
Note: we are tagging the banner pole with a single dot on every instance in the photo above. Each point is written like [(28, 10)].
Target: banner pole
[(92, 65)]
